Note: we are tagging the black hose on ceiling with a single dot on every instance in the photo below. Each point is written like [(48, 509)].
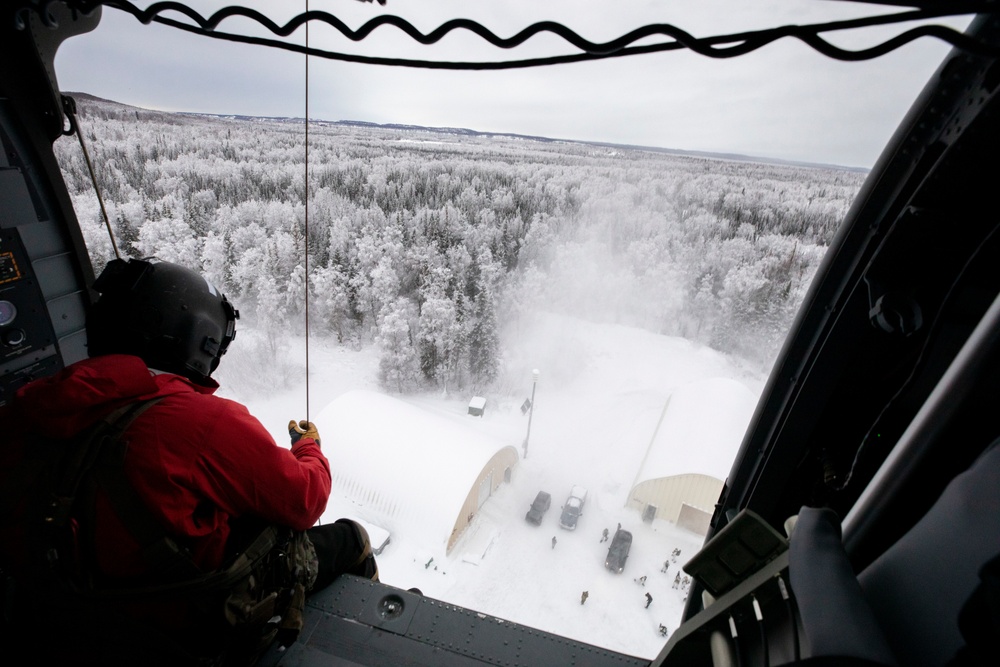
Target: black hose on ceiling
[(718, 46)]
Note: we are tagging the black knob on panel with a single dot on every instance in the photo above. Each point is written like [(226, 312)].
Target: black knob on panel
[(13, 337)]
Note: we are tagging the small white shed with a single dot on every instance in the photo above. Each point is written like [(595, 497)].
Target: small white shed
[(477, 406)]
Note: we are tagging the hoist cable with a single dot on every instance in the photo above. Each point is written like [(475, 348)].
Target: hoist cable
[(305, 241), (69, 108), (719, 46)]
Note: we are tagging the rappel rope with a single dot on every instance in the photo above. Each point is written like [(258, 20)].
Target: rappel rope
[(69, 108), (305, 241)]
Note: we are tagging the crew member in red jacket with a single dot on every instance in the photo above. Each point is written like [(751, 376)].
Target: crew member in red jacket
[(200, 464)]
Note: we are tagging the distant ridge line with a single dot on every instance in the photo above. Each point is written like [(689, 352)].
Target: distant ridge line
[(461, 131)]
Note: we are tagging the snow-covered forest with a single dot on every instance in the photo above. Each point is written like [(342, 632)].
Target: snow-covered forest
[(436, 245)]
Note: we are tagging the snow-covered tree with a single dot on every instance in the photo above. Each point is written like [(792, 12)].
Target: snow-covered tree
[(484, 342), (437, 339), (169, 239), (331, 302), (399, 367), (720, 251), (213, 259)]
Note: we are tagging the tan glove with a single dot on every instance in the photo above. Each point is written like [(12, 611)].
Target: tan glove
[(303, 429)]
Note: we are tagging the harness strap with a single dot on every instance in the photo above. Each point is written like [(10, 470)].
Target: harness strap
[(217, 581), (87, 450), (170, 564), (43, 455), (94, 460), (166, 559)]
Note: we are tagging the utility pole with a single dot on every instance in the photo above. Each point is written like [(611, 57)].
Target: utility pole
[(531, 413)]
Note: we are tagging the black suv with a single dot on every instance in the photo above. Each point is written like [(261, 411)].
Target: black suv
[(538, 508), (618, 551)]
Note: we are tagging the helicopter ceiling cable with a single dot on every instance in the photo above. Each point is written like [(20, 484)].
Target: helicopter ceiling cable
[(718, 46)]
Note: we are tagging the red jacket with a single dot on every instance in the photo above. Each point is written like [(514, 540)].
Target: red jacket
[(196, 460)]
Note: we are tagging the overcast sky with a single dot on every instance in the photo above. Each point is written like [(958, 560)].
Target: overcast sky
[(783, 101)]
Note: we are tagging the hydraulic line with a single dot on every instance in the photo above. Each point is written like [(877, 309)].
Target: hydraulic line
[(763, 631), (790, 606), (736, 641)]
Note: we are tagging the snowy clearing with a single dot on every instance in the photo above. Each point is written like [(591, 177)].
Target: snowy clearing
[(599, 395)]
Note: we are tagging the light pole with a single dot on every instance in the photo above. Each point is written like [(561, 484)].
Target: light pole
[(531, 413)]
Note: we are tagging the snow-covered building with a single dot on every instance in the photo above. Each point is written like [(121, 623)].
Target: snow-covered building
[(691, 452), (401, 465)]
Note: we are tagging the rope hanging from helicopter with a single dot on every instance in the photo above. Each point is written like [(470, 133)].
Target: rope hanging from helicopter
[(718, 46), (69, 109), (305, 240)]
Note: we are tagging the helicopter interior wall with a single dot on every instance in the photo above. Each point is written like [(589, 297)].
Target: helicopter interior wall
[(885, 383), (942, 253), (49, 287), (918, 586), (43, 283), (856, 370), (953, 445), (902, 609)]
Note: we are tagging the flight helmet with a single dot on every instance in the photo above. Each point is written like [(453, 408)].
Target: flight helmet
[(170, 316)]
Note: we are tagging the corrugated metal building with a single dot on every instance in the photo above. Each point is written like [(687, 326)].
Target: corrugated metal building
[(690, 453), (403, 465)]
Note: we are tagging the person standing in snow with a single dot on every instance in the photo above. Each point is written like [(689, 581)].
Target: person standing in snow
[(604, 535), (666, 566), (584, 596), (649, 600), (205, 475), (553, 541), (677, 580), (663, 630)]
